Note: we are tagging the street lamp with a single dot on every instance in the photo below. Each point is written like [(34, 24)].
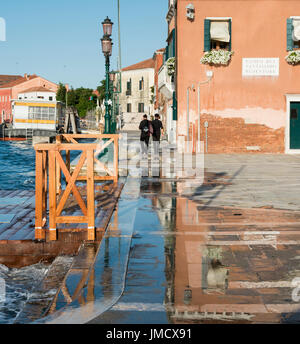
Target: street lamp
[(107, 50)]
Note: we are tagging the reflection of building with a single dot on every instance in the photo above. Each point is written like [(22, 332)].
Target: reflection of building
[(252, 103), (11, 86)]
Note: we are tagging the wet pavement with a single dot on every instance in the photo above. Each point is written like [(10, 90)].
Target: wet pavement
[(182, 251)]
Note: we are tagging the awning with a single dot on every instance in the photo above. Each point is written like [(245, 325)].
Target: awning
[(296, 31), (219, 31)]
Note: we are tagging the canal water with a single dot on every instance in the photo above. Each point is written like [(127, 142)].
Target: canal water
[(17, 166)]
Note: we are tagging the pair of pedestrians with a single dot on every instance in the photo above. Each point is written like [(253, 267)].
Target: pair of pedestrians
[(148, 128)]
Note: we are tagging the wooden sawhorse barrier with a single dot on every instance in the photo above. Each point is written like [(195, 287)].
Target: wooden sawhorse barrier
[(50, 165)]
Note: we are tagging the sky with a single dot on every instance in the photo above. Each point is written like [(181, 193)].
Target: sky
[(60, 39)]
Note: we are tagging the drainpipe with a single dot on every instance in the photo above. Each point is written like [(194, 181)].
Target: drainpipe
[(209, 75)]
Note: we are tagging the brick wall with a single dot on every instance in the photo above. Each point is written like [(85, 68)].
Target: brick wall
[(233, 135)]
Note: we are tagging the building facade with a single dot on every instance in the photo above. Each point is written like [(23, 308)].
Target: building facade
[(137, 96), (37, 108), (13, 85), (233, 83)]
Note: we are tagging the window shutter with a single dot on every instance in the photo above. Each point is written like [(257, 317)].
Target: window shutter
[(206, 35), (173, 43), (289, 31), (230, 33), (174, 106)]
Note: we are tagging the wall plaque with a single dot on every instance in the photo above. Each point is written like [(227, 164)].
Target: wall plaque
[(260, 66)]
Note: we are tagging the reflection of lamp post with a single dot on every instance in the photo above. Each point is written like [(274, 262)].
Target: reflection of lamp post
[(107, 50)]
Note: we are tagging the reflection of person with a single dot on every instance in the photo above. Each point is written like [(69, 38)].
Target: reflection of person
[(145, 134), (158, 130)]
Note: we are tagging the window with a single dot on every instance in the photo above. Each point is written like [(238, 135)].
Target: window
[(41, 113), (50, 98), (128, 90), (293, 33), (141, 107), (141, 84), (128, 107), (217, 34), (170, 50)]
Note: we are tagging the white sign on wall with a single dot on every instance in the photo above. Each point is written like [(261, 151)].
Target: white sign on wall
[(261, 66)]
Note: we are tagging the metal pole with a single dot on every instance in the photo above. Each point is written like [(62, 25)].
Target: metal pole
[(119, 34), (107, 124), (199, 125)]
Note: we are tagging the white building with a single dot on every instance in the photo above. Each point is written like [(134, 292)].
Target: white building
[(37, 108), (137, 95)]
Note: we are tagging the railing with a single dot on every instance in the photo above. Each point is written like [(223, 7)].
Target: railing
[(50, 165)]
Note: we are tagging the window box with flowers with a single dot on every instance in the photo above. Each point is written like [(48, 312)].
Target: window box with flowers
[(217, 57), (171, 67), (293, 57)]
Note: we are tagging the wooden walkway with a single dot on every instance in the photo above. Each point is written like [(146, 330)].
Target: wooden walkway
[(17, 227)]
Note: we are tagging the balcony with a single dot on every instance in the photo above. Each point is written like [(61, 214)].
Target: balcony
[(165, 84)]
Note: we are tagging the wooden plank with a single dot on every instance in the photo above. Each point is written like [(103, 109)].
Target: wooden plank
[(70, 183), (90, 136), (90, 195), (39, 188), (52, 196), (72, 219), (75, 191), (116, 159), (104, 178), (66, 146)]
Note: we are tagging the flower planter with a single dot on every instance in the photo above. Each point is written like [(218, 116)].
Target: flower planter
[(217, 57)]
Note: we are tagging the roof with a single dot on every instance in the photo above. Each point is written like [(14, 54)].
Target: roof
[(37, 89), (5, 79), (140, 65), (18, 81)]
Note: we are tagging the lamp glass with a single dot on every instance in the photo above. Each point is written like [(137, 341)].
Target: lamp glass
[(107, 26)]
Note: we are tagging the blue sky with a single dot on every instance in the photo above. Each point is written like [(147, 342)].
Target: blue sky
[(60, 39)]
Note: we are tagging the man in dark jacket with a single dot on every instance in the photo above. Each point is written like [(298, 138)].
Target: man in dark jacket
[(145, 135), (158, 130)]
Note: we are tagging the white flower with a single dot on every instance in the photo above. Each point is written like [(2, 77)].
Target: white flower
[(293, 57), (171, 66), (217, 57)]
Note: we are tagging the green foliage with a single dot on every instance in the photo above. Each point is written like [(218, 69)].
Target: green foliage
[(61, 93), (80, 97), (101, 90)]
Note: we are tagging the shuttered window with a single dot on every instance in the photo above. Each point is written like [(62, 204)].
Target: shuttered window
[(290, 43), (210, 44), (171, 47), (174, 106)]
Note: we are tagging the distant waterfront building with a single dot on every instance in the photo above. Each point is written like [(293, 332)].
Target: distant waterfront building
[(37, 108), (137, 97), (13, 85), (248, 98)]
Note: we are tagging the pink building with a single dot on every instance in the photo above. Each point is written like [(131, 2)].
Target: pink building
[(12, 85)]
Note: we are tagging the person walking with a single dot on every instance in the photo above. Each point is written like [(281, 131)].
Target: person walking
[(158, 130), (145, 135)]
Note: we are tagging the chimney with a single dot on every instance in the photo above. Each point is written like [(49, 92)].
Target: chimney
[(26, 76)]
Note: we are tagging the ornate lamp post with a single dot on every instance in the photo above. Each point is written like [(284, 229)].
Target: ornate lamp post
[(107, 50)]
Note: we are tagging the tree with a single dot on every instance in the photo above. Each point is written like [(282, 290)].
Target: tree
[(61, 93), (101, 90)]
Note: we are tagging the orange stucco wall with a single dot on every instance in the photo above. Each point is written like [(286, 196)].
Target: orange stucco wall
[(258, 30), (36, 82)]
